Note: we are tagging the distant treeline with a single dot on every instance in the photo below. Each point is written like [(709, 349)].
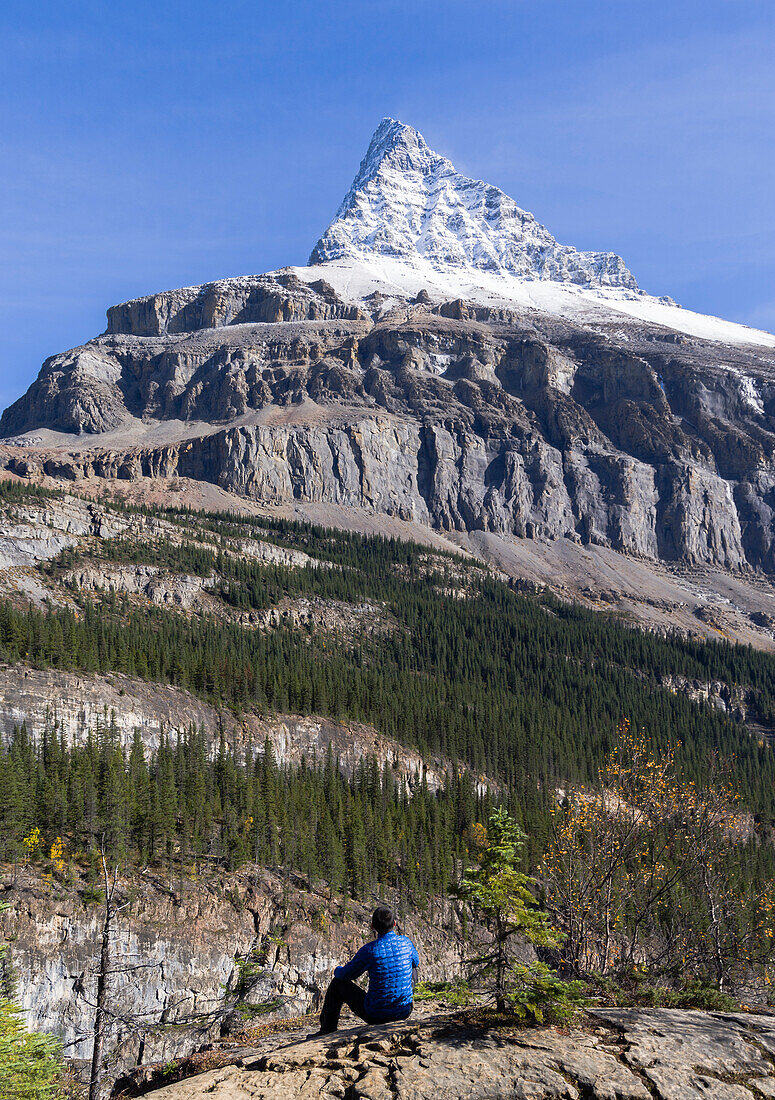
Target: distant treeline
[(183, 807)]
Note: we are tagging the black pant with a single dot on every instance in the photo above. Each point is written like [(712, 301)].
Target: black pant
[(340, 992)]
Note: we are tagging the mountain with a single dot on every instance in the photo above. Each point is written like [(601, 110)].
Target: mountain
[(193, 671), (443, 361)]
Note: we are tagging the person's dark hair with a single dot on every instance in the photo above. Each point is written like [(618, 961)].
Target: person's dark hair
[(383, 920)]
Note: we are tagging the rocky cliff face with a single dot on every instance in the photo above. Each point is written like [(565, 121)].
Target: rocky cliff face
[(77, 705), (192, 959), (461, 423)]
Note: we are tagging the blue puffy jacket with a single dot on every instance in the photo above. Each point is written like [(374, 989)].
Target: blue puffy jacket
[(389, 961)]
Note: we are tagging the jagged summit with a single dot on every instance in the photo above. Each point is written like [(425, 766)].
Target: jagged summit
[(409, 203)]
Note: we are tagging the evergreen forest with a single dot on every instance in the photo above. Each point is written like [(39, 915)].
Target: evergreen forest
[(523, 691)]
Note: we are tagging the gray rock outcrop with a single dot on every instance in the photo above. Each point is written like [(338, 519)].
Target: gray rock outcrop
[(632, 1054)]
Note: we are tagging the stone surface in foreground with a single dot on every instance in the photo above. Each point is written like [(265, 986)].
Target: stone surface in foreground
[(620, 1054)]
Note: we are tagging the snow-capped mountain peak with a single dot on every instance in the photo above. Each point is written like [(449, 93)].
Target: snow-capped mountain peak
[(408, 203), (399, 147)]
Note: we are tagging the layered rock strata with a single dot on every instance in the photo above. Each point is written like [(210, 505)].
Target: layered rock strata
[(457, 423)]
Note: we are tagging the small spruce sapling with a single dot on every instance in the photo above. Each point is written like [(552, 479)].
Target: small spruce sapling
[(503, 897)]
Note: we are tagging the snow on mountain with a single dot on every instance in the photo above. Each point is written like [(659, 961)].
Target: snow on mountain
[(408, 202), (356, 279), (411, 222)]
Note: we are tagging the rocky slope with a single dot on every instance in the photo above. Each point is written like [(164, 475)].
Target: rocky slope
[(622, 1054), (77, 705), (508, 414)]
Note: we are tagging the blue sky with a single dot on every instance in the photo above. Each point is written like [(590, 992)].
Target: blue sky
[(150, 145)]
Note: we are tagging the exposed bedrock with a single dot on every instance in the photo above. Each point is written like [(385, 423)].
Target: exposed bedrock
[(461, 418), (451, 478), (618, 1054), (76, 705), (268, 298)]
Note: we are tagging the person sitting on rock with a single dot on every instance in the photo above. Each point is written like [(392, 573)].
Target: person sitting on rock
[(390, 960)]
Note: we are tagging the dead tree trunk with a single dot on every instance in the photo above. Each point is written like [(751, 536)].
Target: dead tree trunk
[(103, 974)]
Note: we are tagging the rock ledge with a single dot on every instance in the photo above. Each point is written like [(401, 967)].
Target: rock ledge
[(618, 1054)]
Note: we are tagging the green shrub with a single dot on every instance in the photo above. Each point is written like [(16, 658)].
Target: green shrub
[(456, 992), (698, 995), (249, 968), (250, 1012), (642, 993), (538, 995)]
